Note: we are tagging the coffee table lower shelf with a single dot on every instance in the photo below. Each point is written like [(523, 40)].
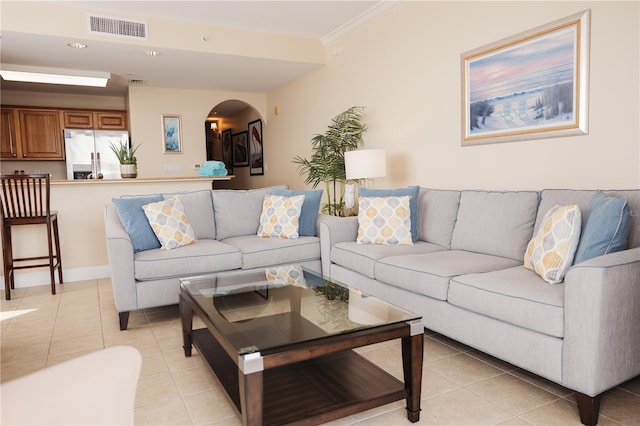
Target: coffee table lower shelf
[(310, 392)]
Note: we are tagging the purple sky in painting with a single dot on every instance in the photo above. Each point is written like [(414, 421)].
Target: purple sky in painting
[(530, 65)]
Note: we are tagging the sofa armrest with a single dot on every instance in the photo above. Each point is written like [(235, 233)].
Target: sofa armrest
[(121, 256), (333, 230), (602, 338)]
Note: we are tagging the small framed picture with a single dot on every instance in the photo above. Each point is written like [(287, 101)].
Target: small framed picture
[(171, 134), (256, 153), (227, 150), (240, 149)]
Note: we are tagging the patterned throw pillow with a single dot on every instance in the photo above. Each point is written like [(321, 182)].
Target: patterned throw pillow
[(550, 253), (286, 275), (169, 223), (280, 216), (384, 220)]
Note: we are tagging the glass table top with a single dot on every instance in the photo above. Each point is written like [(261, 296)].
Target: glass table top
[(278, 306)]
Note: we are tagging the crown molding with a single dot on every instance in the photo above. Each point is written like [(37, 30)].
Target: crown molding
[(369, 15)]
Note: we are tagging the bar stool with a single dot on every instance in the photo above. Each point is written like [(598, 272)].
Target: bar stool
[(26, 201)]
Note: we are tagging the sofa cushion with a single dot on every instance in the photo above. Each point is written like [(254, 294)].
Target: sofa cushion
[(198, 207), (412, 191), (384, 220), (551, 197), (135, 222), (497, 223), (437, 218), (515, 295), (605, 227), (310, 208), (429, 274), (237, 212), (169, 223), (260, 252), (280, 216), (205, 256), (362, 257)]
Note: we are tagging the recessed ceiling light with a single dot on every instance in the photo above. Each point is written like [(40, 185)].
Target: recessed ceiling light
[(152, 52), (77, 45)]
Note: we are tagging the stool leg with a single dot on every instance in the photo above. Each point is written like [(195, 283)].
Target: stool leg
[(56, 236), (7, 260), (51, 264)]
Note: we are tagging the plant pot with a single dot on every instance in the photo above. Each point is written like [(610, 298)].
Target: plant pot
[(128, 171)]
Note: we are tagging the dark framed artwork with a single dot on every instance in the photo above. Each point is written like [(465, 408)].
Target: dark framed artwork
[(529, 86), (256, 153), (227, 150), (240, 149)]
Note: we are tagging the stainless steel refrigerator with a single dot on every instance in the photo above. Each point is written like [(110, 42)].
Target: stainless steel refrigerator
[(88, 154)]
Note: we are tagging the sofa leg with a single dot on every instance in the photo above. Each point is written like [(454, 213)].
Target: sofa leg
[(124, 320), (589, 408)]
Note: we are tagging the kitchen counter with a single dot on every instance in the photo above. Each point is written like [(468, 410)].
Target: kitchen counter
[(185, 179)]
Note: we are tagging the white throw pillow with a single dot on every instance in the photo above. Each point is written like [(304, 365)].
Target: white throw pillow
[(384, 220), (169, 223), (550, 252), (280, 216)]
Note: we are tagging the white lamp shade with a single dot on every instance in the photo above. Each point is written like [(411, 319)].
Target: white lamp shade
[(365, 163)]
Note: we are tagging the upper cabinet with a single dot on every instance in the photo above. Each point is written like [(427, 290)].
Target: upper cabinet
[(33, 133), (98, 120)]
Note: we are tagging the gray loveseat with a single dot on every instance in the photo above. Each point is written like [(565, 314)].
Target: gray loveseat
[(465, 276), (224, 222)]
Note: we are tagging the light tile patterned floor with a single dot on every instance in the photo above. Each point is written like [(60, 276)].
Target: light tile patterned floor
[(461, 386)]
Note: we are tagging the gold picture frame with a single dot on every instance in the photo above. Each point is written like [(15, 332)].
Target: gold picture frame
[(530, 86)]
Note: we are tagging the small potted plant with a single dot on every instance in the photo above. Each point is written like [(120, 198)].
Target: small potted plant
[(126, 154)]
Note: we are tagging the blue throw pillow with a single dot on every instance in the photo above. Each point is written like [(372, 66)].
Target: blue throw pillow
[(135, 221), (605, 228), (310, 208), (411, 191)]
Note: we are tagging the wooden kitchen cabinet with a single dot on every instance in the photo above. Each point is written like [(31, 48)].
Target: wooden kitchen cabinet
[(31, 134), (98, 120), (40, 134), (8, 142)]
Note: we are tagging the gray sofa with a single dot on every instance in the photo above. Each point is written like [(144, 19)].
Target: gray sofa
[(465, 276), (225, 223)]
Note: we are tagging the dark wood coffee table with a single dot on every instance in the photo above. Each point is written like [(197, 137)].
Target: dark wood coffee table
[(280, 342)]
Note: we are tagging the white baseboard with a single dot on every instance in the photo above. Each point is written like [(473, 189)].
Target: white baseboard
[(39, 277)]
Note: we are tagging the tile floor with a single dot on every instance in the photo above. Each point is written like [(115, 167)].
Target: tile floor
[(460, 385)]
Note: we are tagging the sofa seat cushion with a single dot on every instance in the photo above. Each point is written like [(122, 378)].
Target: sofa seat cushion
[(362, 257), (260, 252), (429, 273), (204, 256), (516, 296)]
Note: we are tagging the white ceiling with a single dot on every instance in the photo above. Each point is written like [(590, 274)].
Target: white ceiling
[(177, 68)]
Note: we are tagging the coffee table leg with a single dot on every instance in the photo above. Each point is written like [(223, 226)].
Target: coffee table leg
[(186, 316), (251, 398), (412, 356)]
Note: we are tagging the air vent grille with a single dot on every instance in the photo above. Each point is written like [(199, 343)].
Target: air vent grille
[(118, 27), (137, 82)]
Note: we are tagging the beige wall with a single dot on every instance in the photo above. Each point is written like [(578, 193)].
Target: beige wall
[(405, 68)]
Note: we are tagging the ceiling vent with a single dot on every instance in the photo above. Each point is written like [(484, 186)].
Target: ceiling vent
[(137, 82), (118, 27)]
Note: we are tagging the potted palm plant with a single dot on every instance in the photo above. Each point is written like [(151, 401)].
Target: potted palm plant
[(126, 154), (326, 164)]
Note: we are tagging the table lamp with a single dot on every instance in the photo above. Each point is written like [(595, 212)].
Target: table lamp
[(365, 164)]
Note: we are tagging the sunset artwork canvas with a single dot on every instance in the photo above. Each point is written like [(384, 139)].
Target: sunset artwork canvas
[(526, 87)]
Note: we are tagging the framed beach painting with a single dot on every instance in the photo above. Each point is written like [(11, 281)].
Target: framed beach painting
[(256, 154), (530, 86), (171, 134), (240, 149)]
